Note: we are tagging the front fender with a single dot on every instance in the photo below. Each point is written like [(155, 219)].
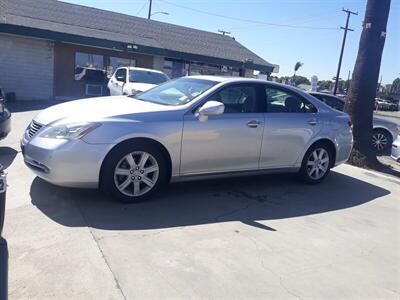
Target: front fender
[(169, 134)]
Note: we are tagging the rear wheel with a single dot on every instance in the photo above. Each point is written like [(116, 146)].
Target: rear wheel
[(132, 173), (316, 164)]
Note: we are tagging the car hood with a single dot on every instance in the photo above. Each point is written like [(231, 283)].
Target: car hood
[(96, 109), (140, 86)]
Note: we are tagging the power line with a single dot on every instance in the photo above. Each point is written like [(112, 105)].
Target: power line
[(247, 20), (302, 20), (140, 10)]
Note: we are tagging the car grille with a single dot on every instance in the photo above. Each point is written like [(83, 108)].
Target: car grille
[(33, 128)]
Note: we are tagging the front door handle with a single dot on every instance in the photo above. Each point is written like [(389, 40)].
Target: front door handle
[(312, 122), (254, 124)]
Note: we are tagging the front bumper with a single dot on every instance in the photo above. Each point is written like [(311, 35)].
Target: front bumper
[(5, 123), (69, 163), (396, 150)]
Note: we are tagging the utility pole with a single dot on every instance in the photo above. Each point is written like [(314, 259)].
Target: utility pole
[(149, 15), (348, 82), (379, 85), (346, 28), (223, 32)]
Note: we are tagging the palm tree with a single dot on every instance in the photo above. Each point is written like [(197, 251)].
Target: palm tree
[(361, 101), (297, 66)]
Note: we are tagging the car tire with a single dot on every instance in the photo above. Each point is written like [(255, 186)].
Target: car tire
[(381, 140), (316, 163), (123, 172)]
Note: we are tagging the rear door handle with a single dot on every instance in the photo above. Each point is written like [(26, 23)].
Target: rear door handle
[(254, 123), (312, 122)]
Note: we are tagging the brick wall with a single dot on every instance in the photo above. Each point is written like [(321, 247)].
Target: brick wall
[(26, 67)]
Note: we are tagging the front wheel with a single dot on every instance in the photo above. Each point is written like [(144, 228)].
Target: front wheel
[(316, 164), (381, 140), (132, 173)]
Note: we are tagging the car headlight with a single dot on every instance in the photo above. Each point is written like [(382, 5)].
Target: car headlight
[(70, 132)]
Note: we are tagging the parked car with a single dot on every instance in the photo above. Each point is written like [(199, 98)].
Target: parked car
[(386, 105), (189, 128), (381, 105), (130, 81), (384, 131), (396, 149), (5, 116)]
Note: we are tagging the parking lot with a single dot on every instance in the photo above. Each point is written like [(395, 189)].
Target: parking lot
[(244, 238)]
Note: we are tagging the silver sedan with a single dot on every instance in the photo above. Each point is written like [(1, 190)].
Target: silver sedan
[(190, 128)]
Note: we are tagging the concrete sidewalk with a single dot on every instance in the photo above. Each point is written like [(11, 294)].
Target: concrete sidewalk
[(266, 237), (395, 115)]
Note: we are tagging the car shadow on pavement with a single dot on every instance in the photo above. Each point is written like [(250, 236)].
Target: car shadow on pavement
[(249, 200), (7, 156)]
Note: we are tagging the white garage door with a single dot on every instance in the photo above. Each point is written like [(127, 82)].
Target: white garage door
[(26, 67)]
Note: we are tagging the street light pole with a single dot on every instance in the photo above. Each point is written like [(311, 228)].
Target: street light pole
[(149, 15), (346, 28)]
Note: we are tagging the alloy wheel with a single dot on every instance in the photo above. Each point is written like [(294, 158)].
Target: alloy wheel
[(379, 141), (136, 174), (317, 163)]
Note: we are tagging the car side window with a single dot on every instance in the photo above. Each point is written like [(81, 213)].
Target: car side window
[(280, 101), (120, 75), (238, 99), (334, 103)]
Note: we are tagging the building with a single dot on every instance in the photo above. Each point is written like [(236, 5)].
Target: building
[(51, 49)]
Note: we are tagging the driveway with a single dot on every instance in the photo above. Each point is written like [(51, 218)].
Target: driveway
[(245, 238)]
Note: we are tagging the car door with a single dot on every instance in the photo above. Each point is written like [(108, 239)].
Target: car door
[(227, 142), (117, 82), (291, 122)]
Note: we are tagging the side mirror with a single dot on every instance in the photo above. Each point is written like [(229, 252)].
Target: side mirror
[(121, 78), (210, 108)]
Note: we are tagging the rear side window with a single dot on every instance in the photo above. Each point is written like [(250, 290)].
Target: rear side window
[(331, 101), (142, 76), (280, 101)]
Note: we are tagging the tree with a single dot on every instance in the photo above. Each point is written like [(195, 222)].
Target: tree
[(298, 79), (395, 88), (297, 66), (325, 84), (363, 84)]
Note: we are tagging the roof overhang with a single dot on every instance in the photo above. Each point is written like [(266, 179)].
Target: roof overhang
[(129, 47)]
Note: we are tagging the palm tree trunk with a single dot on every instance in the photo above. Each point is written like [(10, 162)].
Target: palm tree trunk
[(361, 101)]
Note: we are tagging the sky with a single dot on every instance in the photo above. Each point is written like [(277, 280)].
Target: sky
[(312, 37)]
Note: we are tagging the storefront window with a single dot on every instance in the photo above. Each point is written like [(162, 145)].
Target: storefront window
[(115, 62), (175, 69), (89, 67)]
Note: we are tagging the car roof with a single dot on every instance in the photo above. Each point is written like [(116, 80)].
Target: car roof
[(143, 69), (242, 79), (324, 94)]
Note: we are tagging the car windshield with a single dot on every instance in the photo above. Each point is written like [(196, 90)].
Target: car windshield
[(143, 76), (177, 92)]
